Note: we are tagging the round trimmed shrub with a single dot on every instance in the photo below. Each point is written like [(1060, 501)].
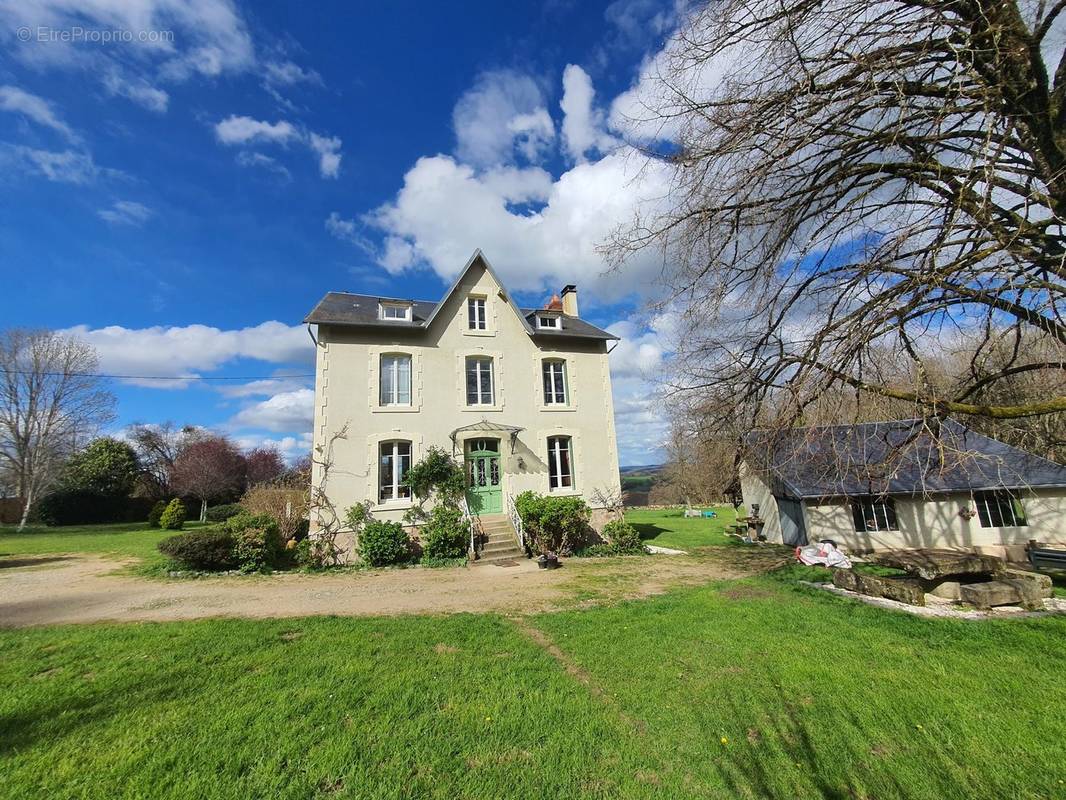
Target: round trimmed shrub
[(156, 513), (622, 537), (383, 543), (173, 516), (445, 534), (223, 512), (201, 550)]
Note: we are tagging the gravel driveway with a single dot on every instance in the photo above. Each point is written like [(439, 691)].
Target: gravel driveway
[(83, 588)]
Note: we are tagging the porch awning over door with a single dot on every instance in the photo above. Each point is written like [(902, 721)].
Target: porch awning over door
[(484, 426)]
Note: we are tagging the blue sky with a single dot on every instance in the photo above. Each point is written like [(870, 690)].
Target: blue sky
[(183, 194)]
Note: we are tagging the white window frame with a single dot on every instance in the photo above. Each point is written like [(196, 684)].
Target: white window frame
[(555, 463), (985, 501), (405, 308), (397, 491), (549, 322), (477, 312), (882, 514), (478, 360), (395, 401), (551, 397)]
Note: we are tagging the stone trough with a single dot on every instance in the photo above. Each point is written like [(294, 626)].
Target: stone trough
[(956, 576)]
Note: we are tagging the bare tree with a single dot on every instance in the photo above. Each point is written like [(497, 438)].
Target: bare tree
[(208, 467), (861, 194), (157, 447), (264, 464), (50, 402)]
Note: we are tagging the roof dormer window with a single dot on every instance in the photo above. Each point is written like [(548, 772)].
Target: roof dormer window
[(395, 312), (549, 321)]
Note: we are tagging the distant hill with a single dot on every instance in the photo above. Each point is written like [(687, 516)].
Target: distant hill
[(650, 469), (638, 481)]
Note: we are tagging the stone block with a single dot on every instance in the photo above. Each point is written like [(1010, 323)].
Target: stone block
[(1044, 587), (1002, 593), (846, 579), (931, 564), (945, 590), (905, 590)]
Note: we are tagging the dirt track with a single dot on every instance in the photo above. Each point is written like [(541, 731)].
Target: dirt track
[(81, 588)]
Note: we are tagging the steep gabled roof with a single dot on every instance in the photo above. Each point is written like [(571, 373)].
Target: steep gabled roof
[(361, 310), (903, 457), (474, 259)]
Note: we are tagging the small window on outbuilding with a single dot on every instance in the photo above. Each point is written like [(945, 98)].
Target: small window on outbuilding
[(999, 510), (550, 321), (872, 515)]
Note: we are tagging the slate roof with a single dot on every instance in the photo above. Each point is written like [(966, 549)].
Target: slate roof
[(342, 308), (894, 458)]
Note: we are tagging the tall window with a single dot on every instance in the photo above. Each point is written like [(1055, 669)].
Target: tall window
[(560, 463), (999, 510), (479, 381), (873, 515), (394, 461), (395, 380), (475, 311), (554, 382)]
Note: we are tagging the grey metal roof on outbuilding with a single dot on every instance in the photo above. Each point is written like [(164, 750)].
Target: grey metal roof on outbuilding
[(903, 457)]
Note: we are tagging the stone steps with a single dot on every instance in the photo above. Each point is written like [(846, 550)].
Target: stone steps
[(499, 542)]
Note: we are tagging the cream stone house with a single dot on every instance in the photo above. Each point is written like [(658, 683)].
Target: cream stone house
[(521, 396), (891, 485)]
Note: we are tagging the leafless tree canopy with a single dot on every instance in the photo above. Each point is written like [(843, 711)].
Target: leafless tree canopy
[(868, 198), (50, 403)]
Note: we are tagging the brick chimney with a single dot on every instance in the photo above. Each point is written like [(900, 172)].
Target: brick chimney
[(569, 295)]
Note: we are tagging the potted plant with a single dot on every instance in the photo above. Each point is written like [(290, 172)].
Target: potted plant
[(548, 561)]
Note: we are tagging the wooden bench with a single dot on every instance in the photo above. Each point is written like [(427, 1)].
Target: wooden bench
[(1046, 557)]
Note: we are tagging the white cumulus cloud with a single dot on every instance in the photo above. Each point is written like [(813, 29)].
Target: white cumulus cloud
[(503, 114), (186, 351), (583, 124), (283, 413)]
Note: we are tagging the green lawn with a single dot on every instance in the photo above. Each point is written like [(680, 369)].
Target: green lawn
[(814, 695), (753, 688), (119, 539), (669, 527)]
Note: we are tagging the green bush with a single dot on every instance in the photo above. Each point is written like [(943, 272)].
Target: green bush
[(173, 516), (382, 543), (201, 550), (622, 538), (553, 524), (156, 513), (257, 542), (223, 512), (445, 535), (79, 507)]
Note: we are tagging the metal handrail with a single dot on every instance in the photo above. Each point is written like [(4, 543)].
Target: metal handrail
[(473, 521), (516, 521)]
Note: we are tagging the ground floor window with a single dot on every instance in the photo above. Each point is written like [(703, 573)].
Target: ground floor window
[(560, 463), (872, 514), (394, 461), (999, 510)]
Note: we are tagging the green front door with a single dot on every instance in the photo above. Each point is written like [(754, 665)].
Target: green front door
[(483, 490)]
